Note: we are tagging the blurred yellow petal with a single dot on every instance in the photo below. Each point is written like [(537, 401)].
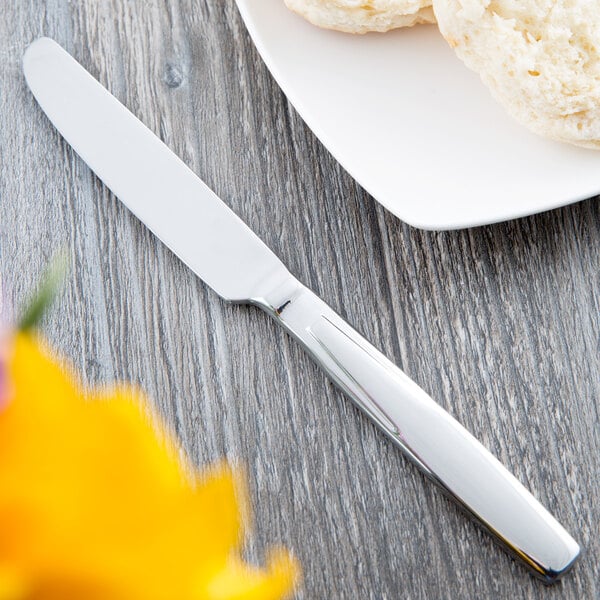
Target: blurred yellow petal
[(96, 503), (239, 581), (12, 585)]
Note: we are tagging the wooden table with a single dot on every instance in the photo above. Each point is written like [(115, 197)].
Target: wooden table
[(500, 324)]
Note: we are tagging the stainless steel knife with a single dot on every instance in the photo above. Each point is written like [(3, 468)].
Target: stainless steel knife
[(208, 237)]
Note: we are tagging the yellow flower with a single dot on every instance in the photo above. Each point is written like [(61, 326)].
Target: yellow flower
[(94, 504)]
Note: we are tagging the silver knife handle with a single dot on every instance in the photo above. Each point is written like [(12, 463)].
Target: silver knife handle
[(431, 438)]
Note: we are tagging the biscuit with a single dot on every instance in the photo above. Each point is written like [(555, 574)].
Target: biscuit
[(362, 16), (540, 59)]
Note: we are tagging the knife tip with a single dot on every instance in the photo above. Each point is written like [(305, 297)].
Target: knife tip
[(38, 48)]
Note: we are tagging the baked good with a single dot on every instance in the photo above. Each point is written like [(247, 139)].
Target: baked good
[(540, 59), (362, 16)]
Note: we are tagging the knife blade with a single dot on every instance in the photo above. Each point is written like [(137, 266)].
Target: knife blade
[(206, 235)]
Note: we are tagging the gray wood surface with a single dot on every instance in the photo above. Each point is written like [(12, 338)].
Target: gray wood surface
[(500, 324)]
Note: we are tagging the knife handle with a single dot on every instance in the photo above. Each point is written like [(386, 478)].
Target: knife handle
[(426, 433)]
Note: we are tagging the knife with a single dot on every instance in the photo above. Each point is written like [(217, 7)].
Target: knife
[(208, 237)]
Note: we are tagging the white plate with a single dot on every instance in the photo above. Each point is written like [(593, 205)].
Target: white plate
[(414, 126)]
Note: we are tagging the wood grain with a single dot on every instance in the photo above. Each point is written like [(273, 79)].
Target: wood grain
[(500, 324)]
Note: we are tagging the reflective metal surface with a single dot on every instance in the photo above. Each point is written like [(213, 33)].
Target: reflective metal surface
[(431, 438), (180, 209), (147, 177)]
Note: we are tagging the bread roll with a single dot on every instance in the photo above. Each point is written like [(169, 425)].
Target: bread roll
[(362, 16), (540, 59)]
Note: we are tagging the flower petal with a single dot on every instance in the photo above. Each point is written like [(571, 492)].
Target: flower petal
[(95, 501)]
